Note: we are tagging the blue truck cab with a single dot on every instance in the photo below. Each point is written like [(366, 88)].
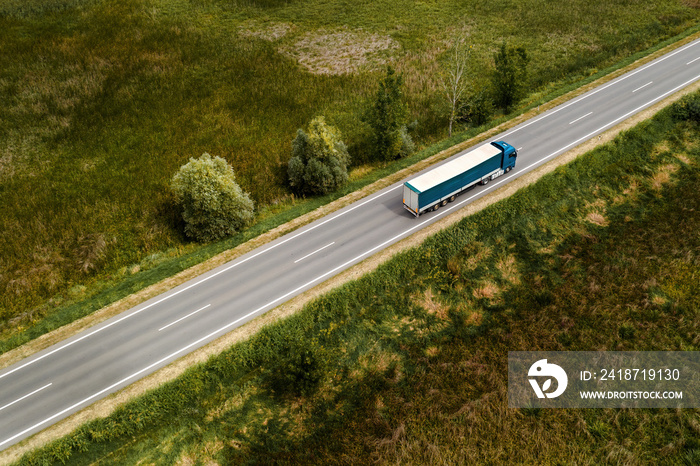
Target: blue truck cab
[(509, 155)]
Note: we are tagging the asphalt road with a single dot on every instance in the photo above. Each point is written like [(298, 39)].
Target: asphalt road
[(69, 376)]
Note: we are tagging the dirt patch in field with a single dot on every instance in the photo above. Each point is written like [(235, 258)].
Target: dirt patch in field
[(341, 51)]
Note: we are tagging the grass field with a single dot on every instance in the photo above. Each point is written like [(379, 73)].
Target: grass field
[(104, 100), (408, 364)]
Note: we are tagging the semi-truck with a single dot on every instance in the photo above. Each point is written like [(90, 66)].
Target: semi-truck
[(442, 184)]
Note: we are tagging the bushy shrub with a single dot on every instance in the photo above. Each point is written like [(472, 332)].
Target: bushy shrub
[(319, 162), (687, 109), (213, 204), (299, 371)]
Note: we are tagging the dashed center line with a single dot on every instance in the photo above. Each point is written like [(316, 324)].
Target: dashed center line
[(581, 118), (26, 396), (183, 318), (209, 277), (642, 87), (318, 250), (693, 61)]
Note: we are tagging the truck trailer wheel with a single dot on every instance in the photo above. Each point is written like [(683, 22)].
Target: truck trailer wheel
[(452, 198), (444, 203), (436, 206), (485, 181)]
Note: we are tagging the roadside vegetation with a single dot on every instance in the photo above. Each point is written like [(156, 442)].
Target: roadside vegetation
[(213, 205), (408, 363), (104, 101), (319, 162)]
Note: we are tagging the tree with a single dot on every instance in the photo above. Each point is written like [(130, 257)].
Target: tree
[(319, 162), (478, 107), (510, 75), (453, 77), (387, 118), (213, 204)]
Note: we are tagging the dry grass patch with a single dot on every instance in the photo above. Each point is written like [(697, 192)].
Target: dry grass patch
[(196, 458), (597, 219), (431, 305), (630, 192), (421, 70), (509, 270), (488, 290), (684, 159), (266, 31), (234, 402), (398, 434), (597, 216), (689, 142), (479, 253), (341, 52), (659, 149), (663, 176), (658, 300), (472, 316)]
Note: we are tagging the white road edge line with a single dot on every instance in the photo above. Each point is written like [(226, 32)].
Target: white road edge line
[(617, 120), (580, 118), (611, 83), (642, 87), (330, 272), (26, 396), (28, 363), (318, 250), (183, 318), (693, 61)]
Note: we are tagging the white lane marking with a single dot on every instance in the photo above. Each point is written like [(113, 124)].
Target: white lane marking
[(595, 91), (318, 250), (183, 318), (580, 118), (518, 149), (693, 61), (616, 120), (71, 343), (642, 87), (26, 396), (330, 272)]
